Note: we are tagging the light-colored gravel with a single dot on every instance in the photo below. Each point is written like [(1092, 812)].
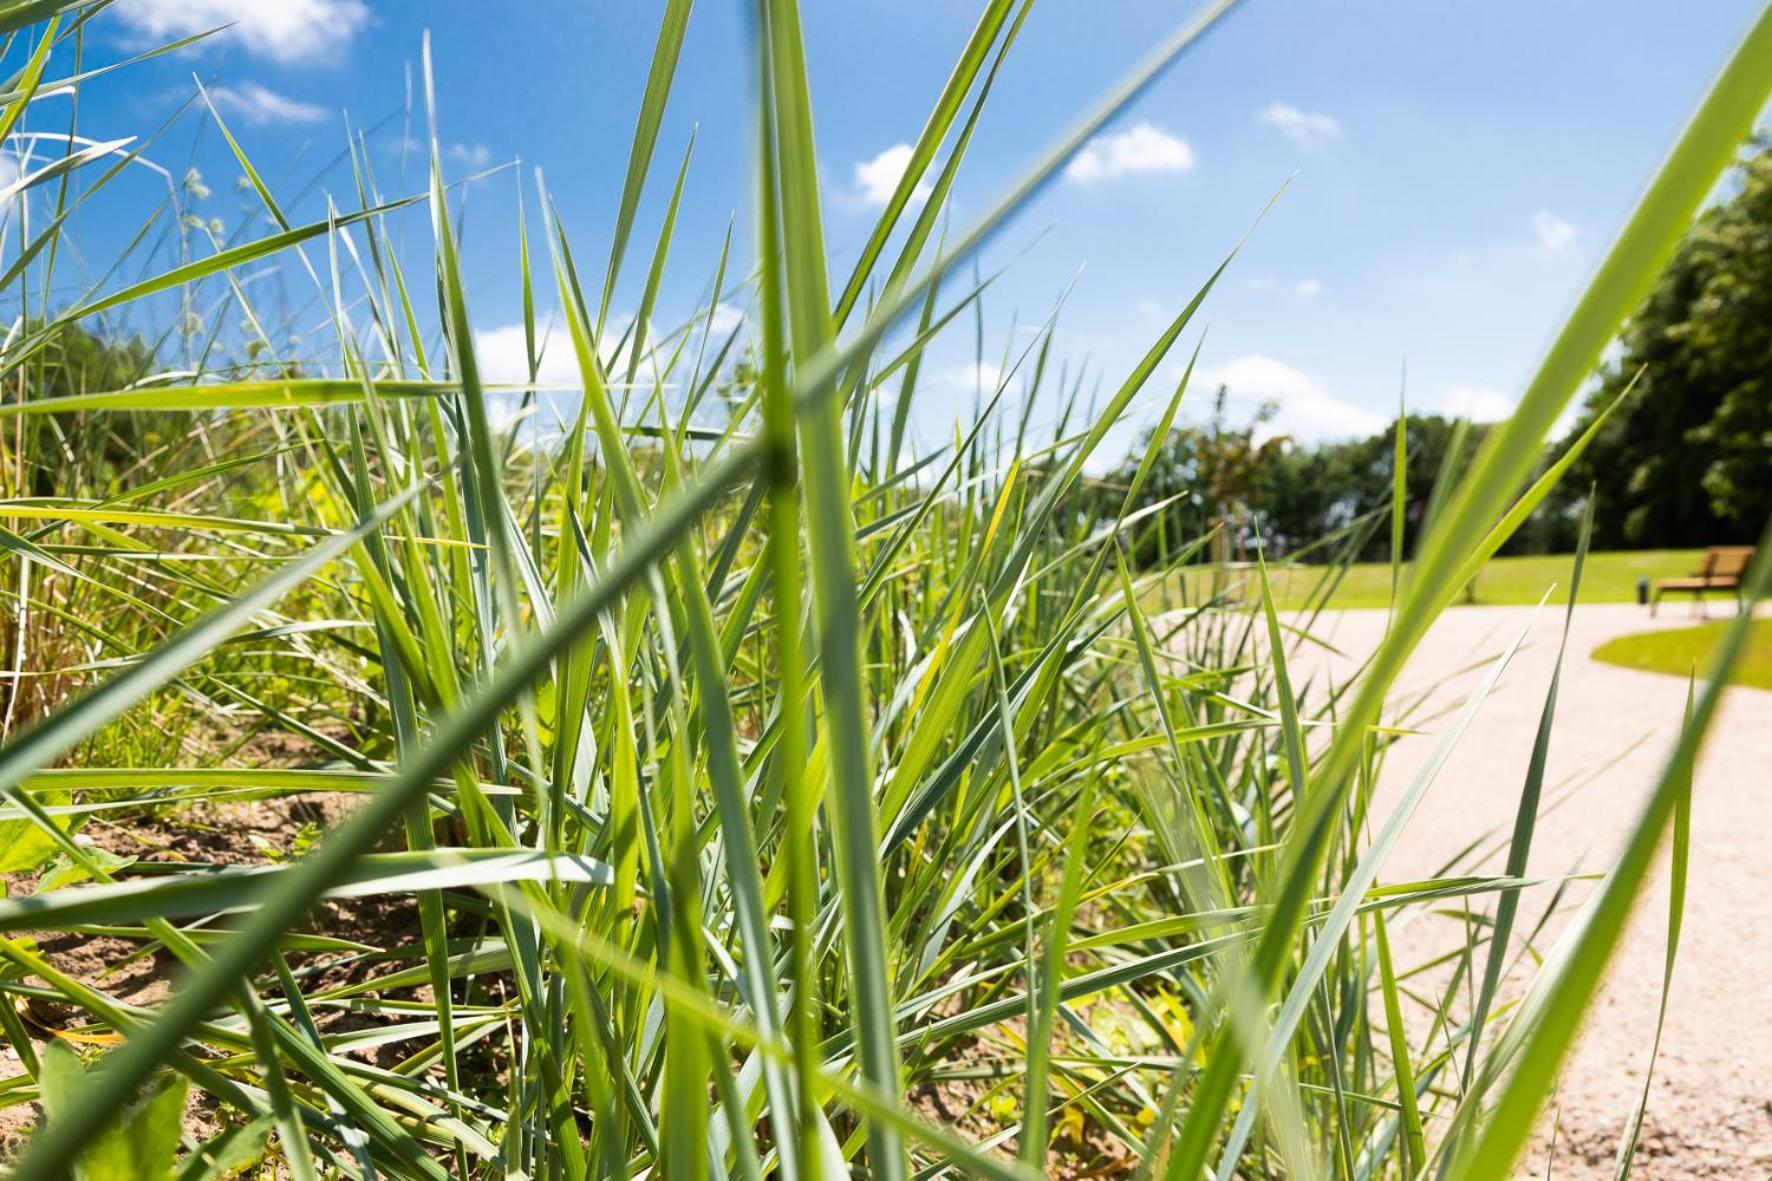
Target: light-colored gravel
[(1710, 1112)]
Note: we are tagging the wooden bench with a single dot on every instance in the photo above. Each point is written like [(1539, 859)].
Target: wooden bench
[(1722, 570)]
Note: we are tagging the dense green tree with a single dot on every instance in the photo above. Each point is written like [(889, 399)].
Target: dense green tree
[(1212, 471), (1314, 493), (1295, 495), (1687, 460)]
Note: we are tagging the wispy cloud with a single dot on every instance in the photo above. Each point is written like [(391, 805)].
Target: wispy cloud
[(1306, 288), (473, 155), (1141, 149), (1307, 129), (975, 375), (9, 174), (981, 377), (260, 104), (283, 30), (877, 179), (1553, 232), (726, 319), (1307, 408)]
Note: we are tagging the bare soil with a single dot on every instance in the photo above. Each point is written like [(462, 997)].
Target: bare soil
[(240, 832)]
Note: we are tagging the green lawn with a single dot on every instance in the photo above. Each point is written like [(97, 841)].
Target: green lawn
[(1679, 650), (1609, 578)]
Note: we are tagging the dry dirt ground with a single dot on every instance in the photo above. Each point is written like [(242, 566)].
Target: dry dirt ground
[(1710, 1111), (205, 834)]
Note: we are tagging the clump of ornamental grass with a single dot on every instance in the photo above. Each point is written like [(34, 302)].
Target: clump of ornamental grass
[(765, 794)]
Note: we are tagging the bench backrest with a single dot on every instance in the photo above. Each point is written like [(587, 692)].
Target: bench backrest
[(1727, 562)]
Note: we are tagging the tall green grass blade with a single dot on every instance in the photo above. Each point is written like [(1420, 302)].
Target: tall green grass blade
[(652, 104), (830, 538)]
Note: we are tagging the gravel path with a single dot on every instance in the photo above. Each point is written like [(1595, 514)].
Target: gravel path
[(1710, 1112)]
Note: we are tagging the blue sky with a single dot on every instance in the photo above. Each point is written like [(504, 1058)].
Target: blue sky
[(1457, 168)]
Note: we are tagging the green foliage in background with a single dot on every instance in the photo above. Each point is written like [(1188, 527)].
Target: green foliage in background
[(1687, 459), (1298, 495)]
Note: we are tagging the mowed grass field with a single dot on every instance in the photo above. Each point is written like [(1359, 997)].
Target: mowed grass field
[(1679, 650), (1608, 578)]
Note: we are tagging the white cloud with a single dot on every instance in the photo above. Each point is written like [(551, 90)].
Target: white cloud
[(1307, 129), (1477, 403), (473, 155), (9, 174), (1553, 232), (726, 319), (503, 355), (284, 30), (1307, 410), (1487, 404), (1303, 288), (259, 104), (1141, 148), (877, 179), (983, 377)]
